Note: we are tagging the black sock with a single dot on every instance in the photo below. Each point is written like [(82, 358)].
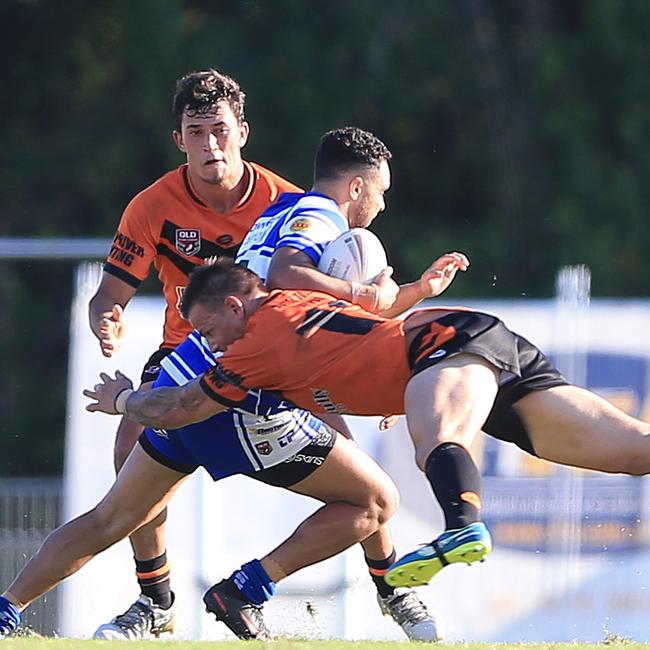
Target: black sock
[(153, 577), (456, 482), (377, 570)]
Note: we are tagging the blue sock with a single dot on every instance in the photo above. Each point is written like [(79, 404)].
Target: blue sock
[(9, 616), (254, 582)]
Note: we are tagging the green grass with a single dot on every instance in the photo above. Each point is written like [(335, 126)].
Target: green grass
[(37, 643)]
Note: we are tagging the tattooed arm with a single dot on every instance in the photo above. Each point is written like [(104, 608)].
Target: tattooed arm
[(168, 407)]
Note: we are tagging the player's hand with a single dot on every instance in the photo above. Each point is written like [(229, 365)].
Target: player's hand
[(388, 422), (111, 331), (441, 273), (106, 392), (387, 290)]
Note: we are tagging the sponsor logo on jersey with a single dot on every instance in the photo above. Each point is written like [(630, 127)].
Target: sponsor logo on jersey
[(300, 225), (188, 241), (162, 433), (124, 250), (264, 448)]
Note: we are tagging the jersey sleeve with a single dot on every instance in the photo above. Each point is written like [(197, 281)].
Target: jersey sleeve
[(132, 249), (310, 230)]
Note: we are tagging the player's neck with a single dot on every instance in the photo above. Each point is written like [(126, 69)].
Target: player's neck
[(224, 196), (331, 191), (253, 303)]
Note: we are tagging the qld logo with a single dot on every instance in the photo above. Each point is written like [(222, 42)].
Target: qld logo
[(188, 241)]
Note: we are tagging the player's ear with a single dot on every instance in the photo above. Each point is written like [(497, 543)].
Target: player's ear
[(244, 132), (234, 304), (355, 187), (178, 140)]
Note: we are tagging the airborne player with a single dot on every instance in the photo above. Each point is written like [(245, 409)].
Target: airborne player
[(453, 371)]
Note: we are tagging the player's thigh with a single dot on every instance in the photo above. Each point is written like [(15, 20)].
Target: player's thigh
[(573, 426), (348, 474), (141, 490), (449, 402)]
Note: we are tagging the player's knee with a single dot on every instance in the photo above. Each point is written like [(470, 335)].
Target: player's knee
[(385, 502)]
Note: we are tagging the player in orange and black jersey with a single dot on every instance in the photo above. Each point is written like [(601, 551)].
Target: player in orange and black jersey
[(170, 226), (453, 371), (202, 209)]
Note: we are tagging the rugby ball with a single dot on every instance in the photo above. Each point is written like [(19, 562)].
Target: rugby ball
[(357, 256)]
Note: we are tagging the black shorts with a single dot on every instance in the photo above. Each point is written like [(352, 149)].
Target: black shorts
[(487, 337), (299, 467), (151, 369)]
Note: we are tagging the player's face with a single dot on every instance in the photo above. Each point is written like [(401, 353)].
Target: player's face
[(220, 327), (370, 201), (213, 143)]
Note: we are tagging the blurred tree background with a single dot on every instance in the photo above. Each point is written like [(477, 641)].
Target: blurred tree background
[(519, 128)]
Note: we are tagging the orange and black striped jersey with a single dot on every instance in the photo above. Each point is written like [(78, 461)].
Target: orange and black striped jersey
[(322, 354), (169, 226)]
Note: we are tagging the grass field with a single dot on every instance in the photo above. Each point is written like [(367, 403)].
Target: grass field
[(77, 644)]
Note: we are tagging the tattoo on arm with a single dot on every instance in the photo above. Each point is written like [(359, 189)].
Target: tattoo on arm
[(171, 407)]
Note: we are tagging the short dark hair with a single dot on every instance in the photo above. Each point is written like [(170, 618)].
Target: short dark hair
[(197, 93), (210, 284), (348, 148)]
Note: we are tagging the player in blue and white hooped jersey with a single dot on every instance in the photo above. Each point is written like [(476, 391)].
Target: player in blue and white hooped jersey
[(351, 178)]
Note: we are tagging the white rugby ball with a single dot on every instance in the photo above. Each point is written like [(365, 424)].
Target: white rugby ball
[(357, 256)]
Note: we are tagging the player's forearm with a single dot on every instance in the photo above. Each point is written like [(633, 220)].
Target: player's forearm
[(99, 308), (409, 295), (169, 407), (310, 279)]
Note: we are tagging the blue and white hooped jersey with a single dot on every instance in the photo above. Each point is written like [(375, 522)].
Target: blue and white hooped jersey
[(308, 222), (235, 441)]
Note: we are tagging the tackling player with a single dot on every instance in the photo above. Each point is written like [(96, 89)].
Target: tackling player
[(453, 371)]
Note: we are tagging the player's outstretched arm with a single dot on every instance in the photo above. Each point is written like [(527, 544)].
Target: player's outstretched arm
[(293, 269), (434, 281), (160, 408), (106, 313)]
